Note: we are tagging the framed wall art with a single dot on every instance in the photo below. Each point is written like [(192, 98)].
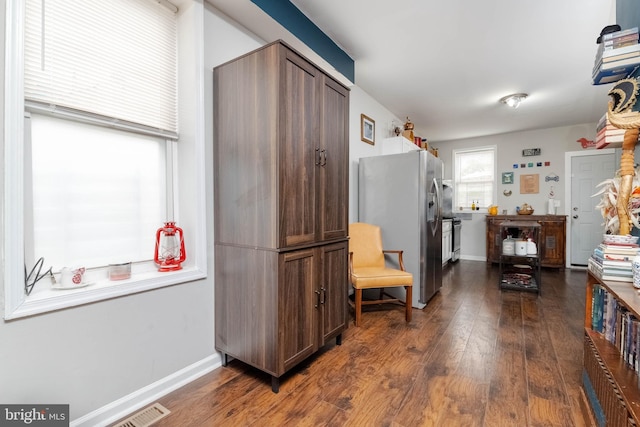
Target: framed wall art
[(530, 184), (507, 177), (367, 129)]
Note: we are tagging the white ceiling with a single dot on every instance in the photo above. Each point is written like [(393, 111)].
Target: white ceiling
[(445, 64)]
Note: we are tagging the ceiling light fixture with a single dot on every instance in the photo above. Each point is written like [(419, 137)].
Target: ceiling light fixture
[(514, 100)]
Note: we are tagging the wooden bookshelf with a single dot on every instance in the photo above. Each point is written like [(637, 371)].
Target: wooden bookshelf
[(612, 392)]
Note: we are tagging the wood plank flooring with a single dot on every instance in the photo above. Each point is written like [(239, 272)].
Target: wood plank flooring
[(475, 356)]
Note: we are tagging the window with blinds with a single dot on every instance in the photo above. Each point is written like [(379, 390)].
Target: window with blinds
[(90, 187), (474, 176), (98, 195), (114, 61)]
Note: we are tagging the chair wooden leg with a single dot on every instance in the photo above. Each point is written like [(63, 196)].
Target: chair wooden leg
[(358, 305), (408, 302)]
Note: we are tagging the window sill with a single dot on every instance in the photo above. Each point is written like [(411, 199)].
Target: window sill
[(44, 298)]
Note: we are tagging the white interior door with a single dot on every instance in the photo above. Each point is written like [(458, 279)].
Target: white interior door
[(586, 222)]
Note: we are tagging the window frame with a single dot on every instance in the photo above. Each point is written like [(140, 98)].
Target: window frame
[(454, 155), (189, 187)]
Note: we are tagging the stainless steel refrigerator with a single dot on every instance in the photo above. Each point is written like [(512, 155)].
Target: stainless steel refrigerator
[(402, 193)]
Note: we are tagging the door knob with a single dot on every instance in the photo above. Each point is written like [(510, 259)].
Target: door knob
[(575, 217)]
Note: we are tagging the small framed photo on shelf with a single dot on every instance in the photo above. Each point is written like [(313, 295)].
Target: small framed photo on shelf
[(507, 177), (367, 129)]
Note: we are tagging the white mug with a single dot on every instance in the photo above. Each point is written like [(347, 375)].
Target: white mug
[(71, 277)]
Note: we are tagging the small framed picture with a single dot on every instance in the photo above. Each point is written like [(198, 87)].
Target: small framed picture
[(507, 177), (367, 129)]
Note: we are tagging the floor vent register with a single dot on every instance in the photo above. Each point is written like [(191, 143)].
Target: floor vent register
[(145, 417)]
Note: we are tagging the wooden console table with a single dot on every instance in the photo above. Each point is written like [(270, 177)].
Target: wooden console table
[(551, 244)]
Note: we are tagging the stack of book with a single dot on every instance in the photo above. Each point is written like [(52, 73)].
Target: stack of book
[(607, 135), (612, 261), (618, 56)]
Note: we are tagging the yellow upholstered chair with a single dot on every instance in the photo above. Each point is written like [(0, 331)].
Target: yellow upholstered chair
[(368, 269)]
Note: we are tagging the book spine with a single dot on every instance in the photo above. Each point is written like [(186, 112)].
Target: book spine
[(620, 33), (628, 40), (621, 64), (608, 59), (621, 50), (604, 76)]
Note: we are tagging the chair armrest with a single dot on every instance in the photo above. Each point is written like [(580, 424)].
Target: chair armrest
[(399, 253)]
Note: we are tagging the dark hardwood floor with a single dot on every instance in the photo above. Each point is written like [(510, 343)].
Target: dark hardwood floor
[(475, 356)]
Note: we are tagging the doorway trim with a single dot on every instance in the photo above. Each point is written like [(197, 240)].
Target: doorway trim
[(568, 157)]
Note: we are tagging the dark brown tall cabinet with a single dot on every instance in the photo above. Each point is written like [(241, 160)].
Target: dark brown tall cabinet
[(281, 208)]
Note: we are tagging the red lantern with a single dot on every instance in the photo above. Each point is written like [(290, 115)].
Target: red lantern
[(169, 252)]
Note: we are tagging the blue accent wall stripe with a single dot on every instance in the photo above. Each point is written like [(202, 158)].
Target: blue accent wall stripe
[(290, 17)]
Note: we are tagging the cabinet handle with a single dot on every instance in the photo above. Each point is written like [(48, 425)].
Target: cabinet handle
[(318, 157), (324, 156), (319, 298), (324, 293)]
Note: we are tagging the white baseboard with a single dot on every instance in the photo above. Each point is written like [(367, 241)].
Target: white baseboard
[(473, 258), (126, 405)]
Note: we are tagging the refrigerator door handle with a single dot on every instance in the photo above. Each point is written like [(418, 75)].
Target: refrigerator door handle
[(438, 204)]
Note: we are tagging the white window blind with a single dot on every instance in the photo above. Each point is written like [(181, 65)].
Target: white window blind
[(99, 194), (113, 59), (474, 172)]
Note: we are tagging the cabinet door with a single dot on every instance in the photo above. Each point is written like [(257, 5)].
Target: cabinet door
[(299, 120), (297, 316), (334, 162), (246, 149), (552, 243), (334, 290), (446, 246), (494, 240)]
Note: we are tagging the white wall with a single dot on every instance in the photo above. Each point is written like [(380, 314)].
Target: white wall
[(553, 142)]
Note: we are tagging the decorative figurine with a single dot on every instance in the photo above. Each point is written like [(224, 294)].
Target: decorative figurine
[(620, 204)]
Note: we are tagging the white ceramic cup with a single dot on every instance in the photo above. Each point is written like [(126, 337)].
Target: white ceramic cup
[(70, 277)]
